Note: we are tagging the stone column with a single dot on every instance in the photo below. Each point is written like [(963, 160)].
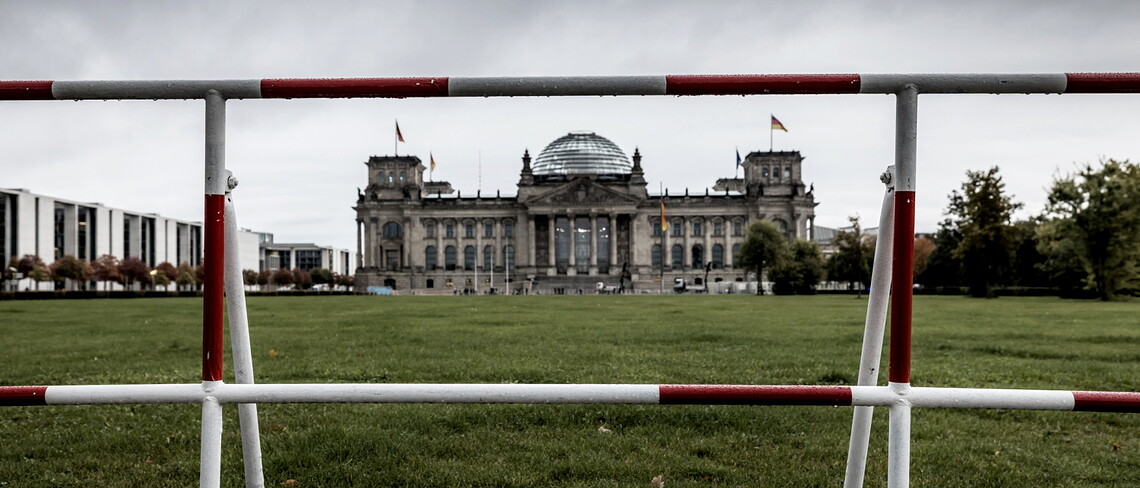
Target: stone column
[(532, 241), (438, 244), (369, 251), (593, 244), (359, 245), (686, 253), (613, 244), (708, 240), (551, 254), (572, 239), (407, 254)]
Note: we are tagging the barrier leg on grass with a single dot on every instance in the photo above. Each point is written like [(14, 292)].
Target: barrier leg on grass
[(210, 465), (873, 331), (240, 344)]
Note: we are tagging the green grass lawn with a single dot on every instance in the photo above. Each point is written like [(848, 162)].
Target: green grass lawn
[(1009, 343)]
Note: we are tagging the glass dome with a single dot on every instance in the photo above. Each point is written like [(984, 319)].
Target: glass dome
[(581, 153)]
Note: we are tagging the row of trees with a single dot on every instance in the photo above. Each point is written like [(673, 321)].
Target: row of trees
[(1086, 239), (70, 272)]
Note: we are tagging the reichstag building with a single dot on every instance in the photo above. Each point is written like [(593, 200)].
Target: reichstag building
[(582, 215)]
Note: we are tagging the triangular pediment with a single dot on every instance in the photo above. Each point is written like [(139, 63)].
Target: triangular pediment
[(583, 191)]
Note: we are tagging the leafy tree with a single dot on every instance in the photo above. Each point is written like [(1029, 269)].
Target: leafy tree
[(29, 262), (303, 279), (1029, 265), (347, 281), (134, 269), (1096, 223), (106, 269), (852, 259), (942, 268), (249, 277), (801, 272), (185, 277), (264, 277), (764, 247), (168, 270), (923, 248), (39, 273), (321, 276), (282, 277), (982, 214), (70, 270), (200, 271)]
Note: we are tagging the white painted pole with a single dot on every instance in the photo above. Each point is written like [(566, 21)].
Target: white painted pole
[(898, 447), (873, 331), (210, 468), (240, 344)]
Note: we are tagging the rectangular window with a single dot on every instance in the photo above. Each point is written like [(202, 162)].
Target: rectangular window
[(429, 230), (678, 228), (656, 224), (449, 230), (508, 230), (697, 230), (737, 228), (308, 259), (469, 230), (488, 230), (718, 228)]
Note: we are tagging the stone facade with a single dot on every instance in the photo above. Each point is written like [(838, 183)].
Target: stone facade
[(567, 229)]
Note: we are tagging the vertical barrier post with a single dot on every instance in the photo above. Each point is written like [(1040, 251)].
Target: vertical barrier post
[(210, 463), (902, 282), (873, 330), (240, 344), (212, 333)]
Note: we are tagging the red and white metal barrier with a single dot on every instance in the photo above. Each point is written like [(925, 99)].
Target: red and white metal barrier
[(893, 261)]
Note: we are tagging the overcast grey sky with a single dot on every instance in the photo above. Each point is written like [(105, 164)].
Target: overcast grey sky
[(300, 162)]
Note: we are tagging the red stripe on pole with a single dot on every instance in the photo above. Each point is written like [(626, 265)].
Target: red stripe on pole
[(213, 294), (25, 90), (1103, 83), (354, 87), (902, 283), (760, 84), (754, 395), (12, 396), (1106, 401)]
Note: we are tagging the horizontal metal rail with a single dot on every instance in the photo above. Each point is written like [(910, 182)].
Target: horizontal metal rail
[(546, 86), (875, 396)]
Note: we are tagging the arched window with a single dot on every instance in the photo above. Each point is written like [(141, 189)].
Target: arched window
[(449, 258), (788, 173), (735, 254), (509, 257), (655, 256), (678, 257), (469, 258), (430, 257), (764, 172), (718, 256), (393, 230), (403, 177), (698, 257), (488, 258)]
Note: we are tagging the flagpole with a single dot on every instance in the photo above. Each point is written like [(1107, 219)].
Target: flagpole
[(661, 190), (770, 131), (396, 140)]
